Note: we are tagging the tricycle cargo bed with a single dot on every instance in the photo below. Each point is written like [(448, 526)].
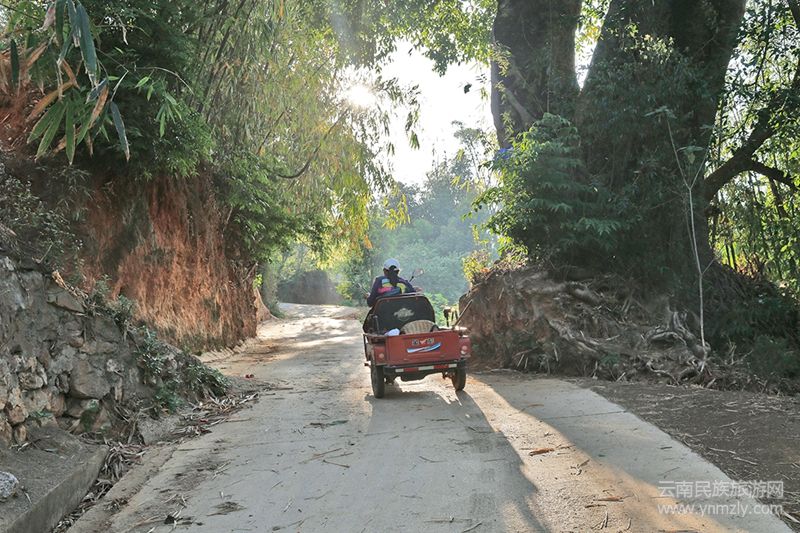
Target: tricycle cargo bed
[(402, 341), (423, 348)]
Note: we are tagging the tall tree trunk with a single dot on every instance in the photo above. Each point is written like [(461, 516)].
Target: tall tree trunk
[(534, 72), (652, 91), (658, 62), (627, 74)]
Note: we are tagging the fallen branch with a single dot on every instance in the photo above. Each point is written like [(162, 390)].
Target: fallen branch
[(337, 464), (471, 528), (540, 451), (319, 456)]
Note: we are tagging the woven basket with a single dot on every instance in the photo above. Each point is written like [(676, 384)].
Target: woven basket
[(418, 326)]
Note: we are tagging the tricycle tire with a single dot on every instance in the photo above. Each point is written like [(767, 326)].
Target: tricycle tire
[(459, 378), (378, 383)]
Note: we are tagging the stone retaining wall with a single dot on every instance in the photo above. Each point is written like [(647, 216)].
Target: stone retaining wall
[(60, 362)]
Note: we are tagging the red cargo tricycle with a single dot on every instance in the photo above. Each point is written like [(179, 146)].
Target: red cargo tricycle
[(402, 339)]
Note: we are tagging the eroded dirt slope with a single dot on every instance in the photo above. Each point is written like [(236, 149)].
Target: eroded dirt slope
[(524, 318)]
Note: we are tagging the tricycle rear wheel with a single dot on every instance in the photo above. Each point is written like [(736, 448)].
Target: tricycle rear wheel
[(378, 383), (459, 378)]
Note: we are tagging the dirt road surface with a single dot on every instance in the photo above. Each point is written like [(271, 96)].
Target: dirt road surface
[(509, 453)]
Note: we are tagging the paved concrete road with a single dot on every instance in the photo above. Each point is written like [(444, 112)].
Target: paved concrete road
[(319, 453)]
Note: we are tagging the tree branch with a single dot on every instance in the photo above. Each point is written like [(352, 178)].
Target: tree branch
[(772, 173), (742, 158), (313, 155), (794, 7)]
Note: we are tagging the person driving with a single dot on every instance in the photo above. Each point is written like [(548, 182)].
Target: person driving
[(389, 284)]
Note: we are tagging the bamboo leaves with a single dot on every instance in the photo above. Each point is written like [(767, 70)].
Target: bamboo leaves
[(80, 35), (120, 127), (87, 43), (170, 109), (100, 94), (48, 99), (34, 56), (74, 34), (69, 132), (68, 109), (249, 84), (48, 127), (167, 111), (15, 63), (60, 7)]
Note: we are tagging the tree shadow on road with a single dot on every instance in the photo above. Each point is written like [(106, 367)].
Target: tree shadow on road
[(439, 437), (624, 462)]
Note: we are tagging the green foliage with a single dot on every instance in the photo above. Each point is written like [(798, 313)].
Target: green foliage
[(101, 292), (768, 313), (439, 302), (755, 231), (42, 232), (775, 357), (448, 31), (250, 91), (259, 215), (640, 113), (203, 380), (356, 273), (476, 265), (167, 397), (436, 232), (439, 233), (151, 355), (548, 205), (77, 110), (755, 220), (89, 415), (610, 360), (606, 190), (122, 310), (172, 383), (269, 287)]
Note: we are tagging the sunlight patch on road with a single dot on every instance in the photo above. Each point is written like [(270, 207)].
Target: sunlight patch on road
[(582, 487)]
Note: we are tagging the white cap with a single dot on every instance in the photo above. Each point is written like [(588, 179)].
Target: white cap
[(391, 263)]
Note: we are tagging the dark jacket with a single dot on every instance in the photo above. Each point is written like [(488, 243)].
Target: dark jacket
[(383, 287)]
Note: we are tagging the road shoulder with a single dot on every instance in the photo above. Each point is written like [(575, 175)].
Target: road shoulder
[(55, 469), (749, 436)]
